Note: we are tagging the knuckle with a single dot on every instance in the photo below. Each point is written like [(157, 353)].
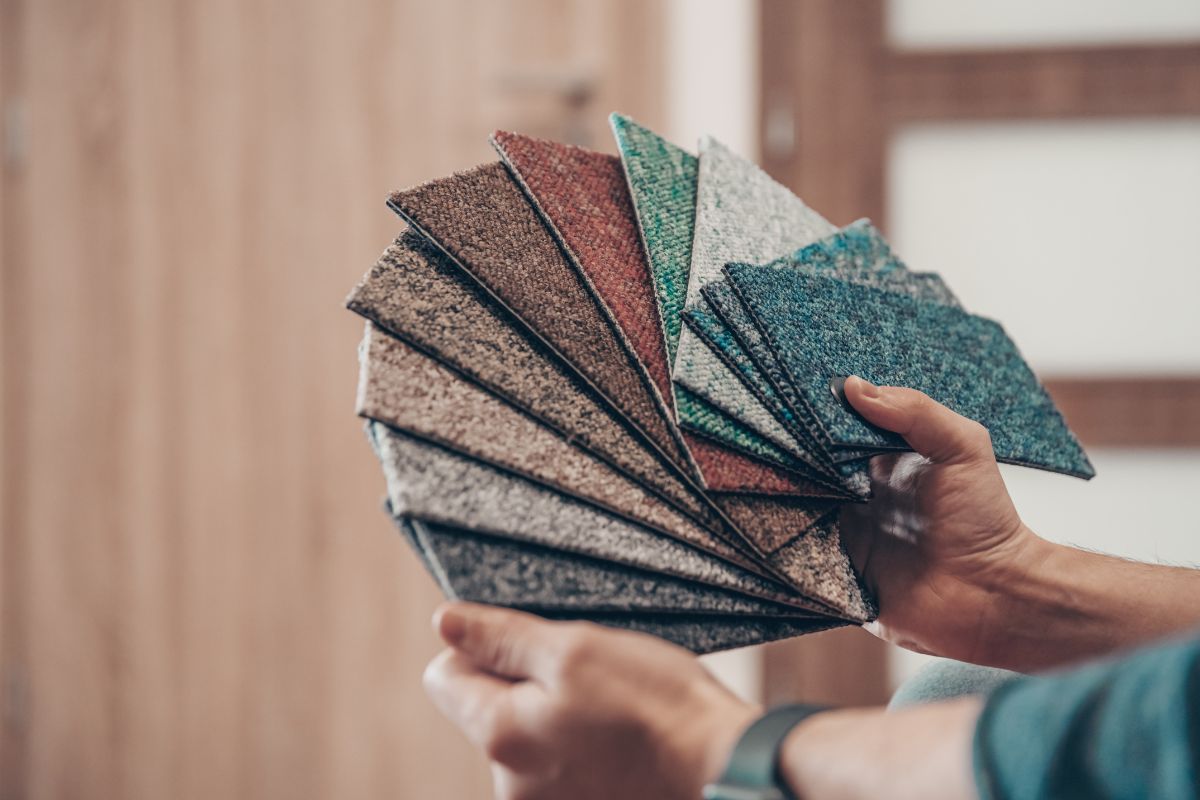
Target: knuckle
[(978, 437), (503, 743)]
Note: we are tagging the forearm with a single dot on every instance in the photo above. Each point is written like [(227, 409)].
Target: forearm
[(1068, 605), (923, 752)]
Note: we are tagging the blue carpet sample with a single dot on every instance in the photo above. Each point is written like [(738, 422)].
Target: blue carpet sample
[(823, 328)]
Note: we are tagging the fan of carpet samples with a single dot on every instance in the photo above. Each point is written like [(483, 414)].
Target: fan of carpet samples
[(607, 388)]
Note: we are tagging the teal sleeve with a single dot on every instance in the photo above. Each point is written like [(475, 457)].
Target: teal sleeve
[(1128, 728)]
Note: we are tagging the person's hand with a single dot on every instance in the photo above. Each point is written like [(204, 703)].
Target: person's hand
[(575, 710), (940, 543)]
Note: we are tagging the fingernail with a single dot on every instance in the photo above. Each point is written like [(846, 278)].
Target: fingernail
[(448, 622), (868, 389)]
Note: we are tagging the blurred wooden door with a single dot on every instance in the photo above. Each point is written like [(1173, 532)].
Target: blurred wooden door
[(200, 594)]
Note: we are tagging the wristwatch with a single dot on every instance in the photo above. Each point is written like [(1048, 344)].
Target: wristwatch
[(753, 769)]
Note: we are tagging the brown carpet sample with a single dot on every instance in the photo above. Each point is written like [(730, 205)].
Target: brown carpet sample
[(482, 219), (584, 199), (414, 393), (418, 294)]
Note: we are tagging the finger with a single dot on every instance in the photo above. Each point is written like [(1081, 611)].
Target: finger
[(507, 643), (470, 698), (930, 428), (496, 715)]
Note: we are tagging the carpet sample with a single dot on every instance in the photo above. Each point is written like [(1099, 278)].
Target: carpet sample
[(741, 215), (482, 219), (662, 188), (583, 197), (433, 484), (416, 293), (823, 328), (697, 631), (488, 569), (414, 393)]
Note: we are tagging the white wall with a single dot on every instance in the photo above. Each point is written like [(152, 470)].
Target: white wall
[(977, 23)]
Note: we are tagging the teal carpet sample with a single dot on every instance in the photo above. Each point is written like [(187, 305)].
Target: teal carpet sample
[(857, 253), (823, 328)]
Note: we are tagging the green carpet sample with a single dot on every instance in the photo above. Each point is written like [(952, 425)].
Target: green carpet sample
[(662, 186), (822, 328)]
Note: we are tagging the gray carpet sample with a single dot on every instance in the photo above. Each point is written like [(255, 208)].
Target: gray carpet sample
[(822, 328), (697, 631), (411, 391), (506, 572), (741, 215), (431, 483)]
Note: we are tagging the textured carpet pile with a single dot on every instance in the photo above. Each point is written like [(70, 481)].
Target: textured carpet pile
[(608, 387)]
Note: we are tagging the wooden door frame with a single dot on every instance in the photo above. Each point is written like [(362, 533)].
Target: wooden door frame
[(832, 94)]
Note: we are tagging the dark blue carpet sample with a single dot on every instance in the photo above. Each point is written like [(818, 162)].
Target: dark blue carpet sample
[(822, 328)]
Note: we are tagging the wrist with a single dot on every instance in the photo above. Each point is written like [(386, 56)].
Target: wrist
[(711, 738)]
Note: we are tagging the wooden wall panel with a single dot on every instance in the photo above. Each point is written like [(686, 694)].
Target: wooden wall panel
[(200, 595)]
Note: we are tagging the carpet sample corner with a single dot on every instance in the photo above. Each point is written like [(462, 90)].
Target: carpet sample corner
[(433, 484), (416, 293), (414, 393), (482, 219), (823, 328), (491, 569), (742, 215)]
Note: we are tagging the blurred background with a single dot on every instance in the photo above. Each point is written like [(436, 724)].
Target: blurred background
[(199, 594)]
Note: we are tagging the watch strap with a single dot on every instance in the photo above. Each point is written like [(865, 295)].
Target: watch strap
[(753, 769)]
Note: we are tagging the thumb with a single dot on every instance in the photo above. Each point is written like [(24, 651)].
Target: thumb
[(929, 427), (507, 643)]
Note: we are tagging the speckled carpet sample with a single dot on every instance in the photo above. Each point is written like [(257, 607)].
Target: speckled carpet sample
[(431, 483), (482, 218), (491, 569), (741, 215), (412, 392), (822, 328), (418, 294), (696, 630)]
